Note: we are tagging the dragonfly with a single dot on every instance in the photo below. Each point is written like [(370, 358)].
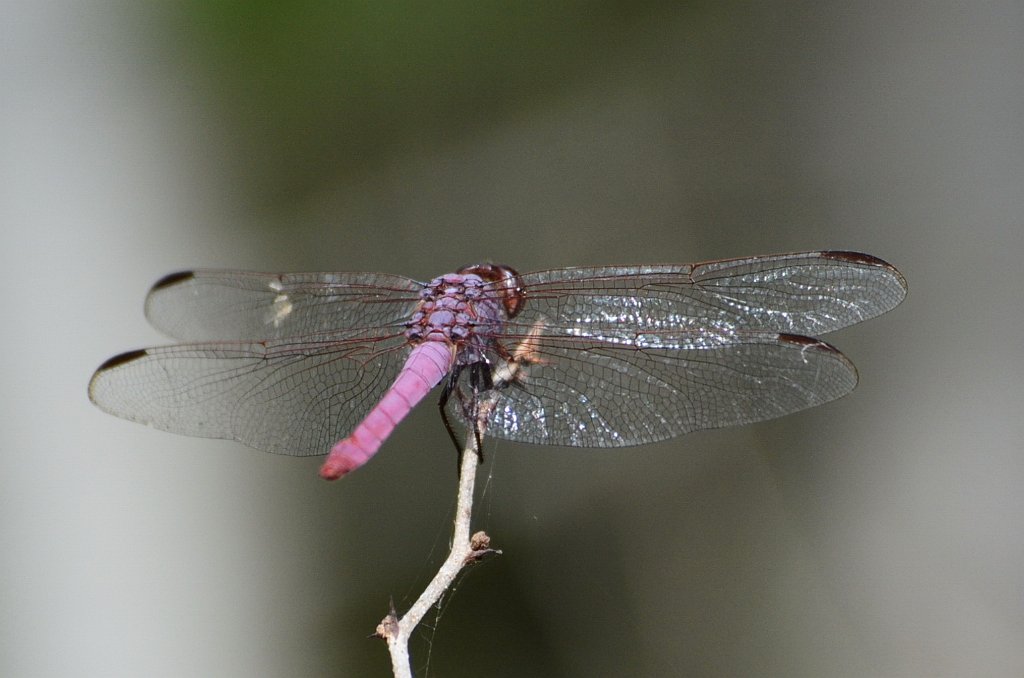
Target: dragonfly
[(609, 356)]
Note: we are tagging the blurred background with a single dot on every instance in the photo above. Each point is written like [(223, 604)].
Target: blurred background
[(879, 535)]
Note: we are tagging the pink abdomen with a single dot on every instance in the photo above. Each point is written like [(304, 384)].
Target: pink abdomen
[(426, 366)]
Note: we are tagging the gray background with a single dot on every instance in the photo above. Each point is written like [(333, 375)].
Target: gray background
[(877, 536)]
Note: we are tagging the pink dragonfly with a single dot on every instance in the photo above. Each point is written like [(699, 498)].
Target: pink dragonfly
[(608, 356)]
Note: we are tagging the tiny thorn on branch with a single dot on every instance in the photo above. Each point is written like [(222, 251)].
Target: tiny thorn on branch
[(388, 626), (477, 556)]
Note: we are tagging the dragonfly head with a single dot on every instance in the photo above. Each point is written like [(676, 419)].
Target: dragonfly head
[(506, 281)]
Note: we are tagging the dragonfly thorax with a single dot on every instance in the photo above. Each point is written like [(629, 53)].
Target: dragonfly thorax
[(455, 308), (505, 281)]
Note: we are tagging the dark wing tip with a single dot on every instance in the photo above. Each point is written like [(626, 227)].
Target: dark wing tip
[(855, 258), (809, 342), (120, 359), (172, 279), (812, 344), (111, 363), (861, 259)]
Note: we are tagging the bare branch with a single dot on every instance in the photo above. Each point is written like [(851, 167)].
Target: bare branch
[(464, 550)]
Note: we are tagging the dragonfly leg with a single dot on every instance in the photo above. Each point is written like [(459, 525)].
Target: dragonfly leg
[(480, 382), (450, 386)]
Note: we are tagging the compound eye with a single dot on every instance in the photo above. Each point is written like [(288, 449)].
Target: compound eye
[(513, 294)]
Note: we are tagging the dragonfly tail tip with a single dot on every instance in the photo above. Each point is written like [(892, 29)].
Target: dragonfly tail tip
[(337, 465)]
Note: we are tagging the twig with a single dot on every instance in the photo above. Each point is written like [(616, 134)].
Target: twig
[(464, 550)]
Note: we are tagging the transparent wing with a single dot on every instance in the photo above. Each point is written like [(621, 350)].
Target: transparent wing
[(229, 305), (287, 397), (804, 293), (607, 393)]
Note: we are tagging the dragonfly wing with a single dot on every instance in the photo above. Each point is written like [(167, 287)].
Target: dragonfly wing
[(285, 397), (605, 393), (807, 293), (206, 305)]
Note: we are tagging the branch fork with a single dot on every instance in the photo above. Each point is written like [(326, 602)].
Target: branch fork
[(465, 550)]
